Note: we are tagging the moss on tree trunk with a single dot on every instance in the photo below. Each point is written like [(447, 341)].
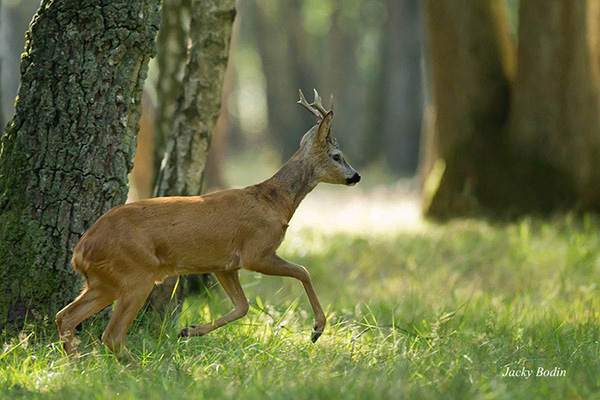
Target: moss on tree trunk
[(67, 152)]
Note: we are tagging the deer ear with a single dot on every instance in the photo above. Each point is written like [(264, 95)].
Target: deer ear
[(324, 128)]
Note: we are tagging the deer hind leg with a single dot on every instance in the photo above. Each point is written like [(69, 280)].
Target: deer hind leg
[(129, 303), (277, 266), (231, 283), (91, 300)]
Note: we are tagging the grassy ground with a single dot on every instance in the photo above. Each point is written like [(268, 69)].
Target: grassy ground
[(441, 312)]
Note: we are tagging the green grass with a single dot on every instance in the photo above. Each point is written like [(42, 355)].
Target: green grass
[(438, 313)]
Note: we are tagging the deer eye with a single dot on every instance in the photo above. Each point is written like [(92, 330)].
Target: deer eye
[(336, 158)]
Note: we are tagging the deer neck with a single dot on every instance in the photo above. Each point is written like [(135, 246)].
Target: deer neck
[(290, 185)]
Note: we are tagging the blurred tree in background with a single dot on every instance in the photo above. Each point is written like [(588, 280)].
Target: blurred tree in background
[(515, 130), (367, 53), (509, 110), (396, 103)]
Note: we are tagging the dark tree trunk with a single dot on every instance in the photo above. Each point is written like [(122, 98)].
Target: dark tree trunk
[(338, 75), (396, 99), (301, 74), (197, 110), (555, 115), (402, 111), (271, 40), (470, 60), (68, 150), (541, 153)]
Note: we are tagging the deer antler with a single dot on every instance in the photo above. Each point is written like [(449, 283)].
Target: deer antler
[(309, 107), (316, 107), (318, 104)]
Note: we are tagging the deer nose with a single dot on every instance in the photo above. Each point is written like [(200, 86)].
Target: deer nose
[(355, 179)]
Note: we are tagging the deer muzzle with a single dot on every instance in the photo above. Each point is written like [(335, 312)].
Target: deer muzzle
[(354, 180)]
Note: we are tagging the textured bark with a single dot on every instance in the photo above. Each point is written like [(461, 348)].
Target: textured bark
[(196, 115), (200, 101), (214, 178), (70, 145), (172, 45), (1, 111)]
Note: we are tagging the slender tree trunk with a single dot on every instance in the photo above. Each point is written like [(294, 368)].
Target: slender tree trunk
[(396, 93), (214, 178), (403, 98), (271, 39), (67, 152), (300, 53), (339, 76), (200, 101), (172, 45), (197, 111)]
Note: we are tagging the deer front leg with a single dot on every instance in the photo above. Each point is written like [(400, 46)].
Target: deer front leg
[(231, 283), (275, 265)]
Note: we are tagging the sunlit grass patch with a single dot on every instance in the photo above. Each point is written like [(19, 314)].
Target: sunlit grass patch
[(439, 312)]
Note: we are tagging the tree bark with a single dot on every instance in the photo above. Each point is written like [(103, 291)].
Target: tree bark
[(214, 175), (200, 101), (172, 43), (1, 61), (68, 150), (197, 112), (396, 93)]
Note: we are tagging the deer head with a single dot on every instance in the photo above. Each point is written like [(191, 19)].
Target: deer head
[(322, 149)]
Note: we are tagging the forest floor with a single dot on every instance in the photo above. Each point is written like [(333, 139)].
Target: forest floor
[(425, 311)]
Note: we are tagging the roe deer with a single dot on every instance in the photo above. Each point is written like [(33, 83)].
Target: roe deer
[(135, 245)]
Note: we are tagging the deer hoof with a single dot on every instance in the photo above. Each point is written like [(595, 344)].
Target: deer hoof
[(316, 334), (185, 331)]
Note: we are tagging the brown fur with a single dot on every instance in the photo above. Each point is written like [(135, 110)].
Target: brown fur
[(135, 245)]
